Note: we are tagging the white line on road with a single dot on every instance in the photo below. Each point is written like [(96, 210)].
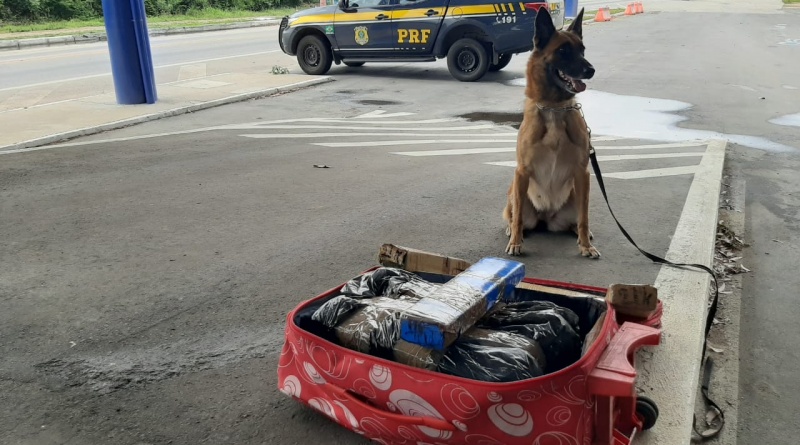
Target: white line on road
[(649, 156), (697, 144), (341, 127), (457, 151), (634, 174), (382, 113), (409, 142), (471, 151), (653, 173), (335, 135), (92, 76)]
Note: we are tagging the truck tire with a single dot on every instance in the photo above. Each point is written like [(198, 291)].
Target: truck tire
[(354, 64), (502, 62), (314, 55), (467, 60)]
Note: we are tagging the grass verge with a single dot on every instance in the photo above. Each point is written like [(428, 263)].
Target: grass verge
[(194, 18)]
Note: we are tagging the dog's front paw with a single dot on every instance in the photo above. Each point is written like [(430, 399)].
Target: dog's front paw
[(513, 248), (589, 251)]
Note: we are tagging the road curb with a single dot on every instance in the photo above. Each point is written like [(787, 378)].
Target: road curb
[(36, 144), (7, 45), (669, 373)]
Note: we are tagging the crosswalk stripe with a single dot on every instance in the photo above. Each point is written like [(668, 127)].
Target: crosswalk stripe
[(457, 151), (338, 135), (653, 173), (651, 146), (635, 174), (648, 156), (407, 142), (373, 128), (472, 151)]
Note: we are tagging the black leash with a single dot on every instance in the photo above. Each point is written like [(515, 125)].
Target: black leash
[(712, 311)]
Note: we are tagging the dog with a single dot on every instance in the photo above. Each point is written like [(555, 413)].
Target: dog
[(551, 180)]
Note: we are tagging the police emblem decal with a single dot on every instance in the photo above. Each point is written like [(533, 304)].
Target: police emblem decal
[(362, 37)]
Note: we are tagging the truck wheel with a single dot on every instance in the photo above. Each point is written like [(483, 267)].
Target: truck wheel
[(314, 55), (354, 64), (467, 60), (502, 62)]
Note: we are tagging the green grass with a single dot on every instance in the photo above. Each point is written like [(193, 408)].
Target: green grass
[(192, 18), (790, 2)]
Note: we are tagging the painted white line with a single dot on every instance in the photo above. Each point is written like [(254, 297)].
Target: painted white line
[(669, 372), (92, 76), (634, 174), (407, 142), (649, 156), (39, 143), (653, 173), (651, 146), (381, 114), (457, 151), (335, 135), (605, 138), (503, 163), (340, 127), (350, 119)]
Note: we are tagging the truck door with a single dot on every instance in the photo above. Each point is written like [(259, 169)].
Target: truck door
[(416, 24), (364, 28)]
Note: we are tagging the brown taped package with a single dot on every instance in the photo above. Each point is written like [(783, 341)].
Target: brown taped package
[(417, 356), (376, 325), (420, 357)]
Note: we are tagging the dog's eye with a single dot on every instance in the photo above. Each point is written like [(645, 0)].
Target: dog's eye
[(563, 51)]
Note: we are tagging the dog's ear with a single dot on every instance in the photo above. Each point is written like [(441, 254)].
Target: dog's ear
[(576, 26), (543, 28)]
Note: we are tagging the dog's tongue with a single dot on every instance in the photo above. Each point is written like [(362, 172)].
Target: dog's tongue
[(578, 85)]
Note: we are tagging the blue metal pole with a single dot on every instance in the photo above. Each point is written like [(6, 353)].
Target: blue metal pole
[(143, 45), (131, 64)]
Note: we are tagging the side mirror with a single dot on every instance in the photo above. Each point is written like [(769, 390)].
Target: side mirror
[(344, 4)]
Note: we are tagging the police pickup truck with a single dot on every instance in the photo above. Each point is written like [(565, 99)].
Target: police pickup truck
[(473, 35)]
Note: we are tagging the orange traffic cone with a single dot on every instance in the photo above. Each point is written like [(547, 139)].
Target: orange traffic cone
[(631, 9), (603, 15), (639, 7)]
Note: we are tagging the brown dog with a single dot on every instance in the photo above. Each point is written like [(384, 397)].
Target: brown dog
[(551, 181)]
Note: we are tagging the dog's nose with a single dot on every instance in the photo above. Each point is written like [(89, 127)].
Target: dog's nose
[(589, 72)]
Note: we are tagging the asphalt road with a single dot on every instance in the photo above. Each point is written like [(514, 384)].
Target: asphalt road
[(50, 64), (145, 281)]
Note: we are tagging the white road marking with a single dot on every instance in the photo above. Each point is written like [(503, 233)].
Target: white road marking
[(381, 114), (653, 173), (341, 127), (634, 174), (651, 146), (92, 76), (410, 142), (649, 156), (457, 151), (336, 135)]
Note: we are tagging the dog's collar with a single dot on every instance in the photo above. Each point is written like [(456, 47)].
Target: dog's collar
[(575, 107)]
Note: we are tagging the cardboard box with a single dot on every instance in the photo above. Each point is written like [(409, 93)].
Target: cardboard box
[(414, 260), (636, 300)]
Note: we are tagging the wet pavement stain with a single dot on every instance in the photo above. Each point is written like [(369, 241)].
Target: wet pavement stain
[(499, 118)]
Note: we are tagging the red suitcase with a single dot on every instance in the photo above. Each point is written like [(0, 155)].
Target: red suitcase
[(593, 401)]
